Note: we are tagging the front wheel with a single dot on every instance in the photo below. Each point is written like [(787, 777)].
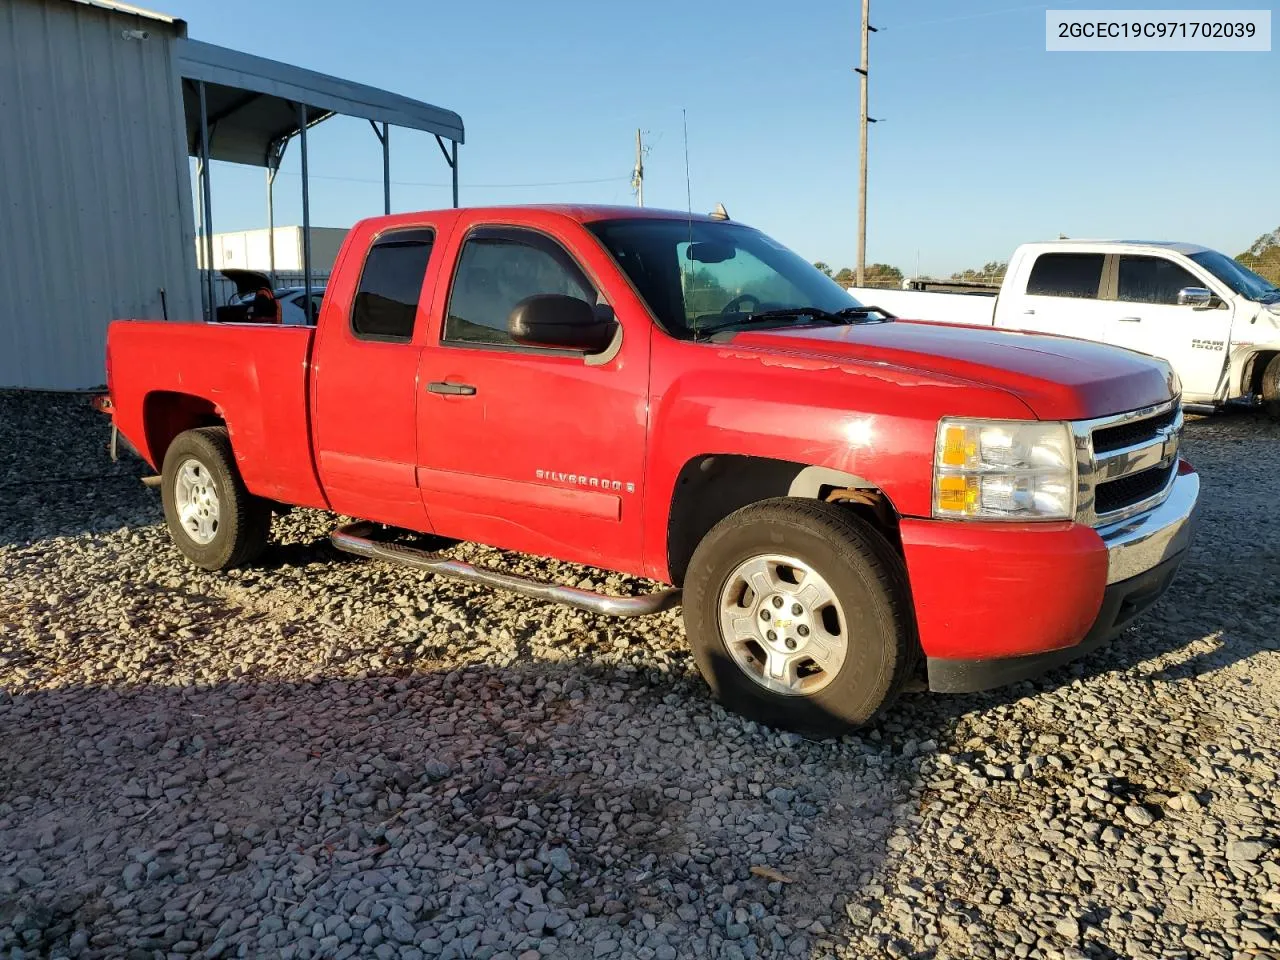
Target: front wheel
[(1271, 388), (799, 616), (212, 518)]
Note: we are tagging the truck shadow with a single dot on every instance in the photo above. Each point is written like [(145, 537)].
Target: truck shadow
[(630, 804)]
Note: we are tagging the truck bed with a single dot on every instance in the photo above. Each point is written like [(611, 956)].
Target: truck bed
[(253, 376), (975, 309)]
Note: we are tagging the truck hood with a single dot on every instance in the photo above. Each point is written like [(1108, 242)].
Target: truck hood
[(1059, 378)]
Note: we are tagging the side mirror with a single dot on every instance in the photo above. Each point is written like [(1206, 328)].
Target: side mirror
[(1196, 297), (560, 322)]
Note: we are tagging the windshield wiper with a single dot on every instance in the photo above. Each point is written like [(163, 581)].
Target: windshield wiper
[(863, 313), (843, 315)]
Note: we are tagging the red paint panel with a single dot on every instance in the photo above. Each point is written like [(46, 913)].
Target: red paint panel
[(873, 421), (443, 484), (1060, 378), (536, 412), (1002, 590), (254, 376)]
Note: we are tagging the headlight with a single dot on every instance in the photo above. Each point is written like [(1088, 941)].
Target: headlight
[(1004, 470)]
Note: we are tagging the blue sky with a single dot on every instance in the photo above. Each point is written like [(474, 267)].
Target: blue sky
[(987, 140)]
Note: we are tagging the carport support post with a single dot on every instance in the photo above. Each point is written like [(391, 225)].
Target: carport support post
[(207, 224), (306, 209), (384, 138), (386, 169), (271, 223), (453, 164)]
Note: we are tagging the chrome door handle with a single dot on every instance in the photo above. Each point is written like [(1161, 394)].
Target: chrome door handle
[(1028, 313), (451, 389), (1130, 319)]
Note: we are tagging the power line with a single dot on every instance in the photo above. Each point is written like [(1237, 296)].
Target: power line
[(986, 13), (487, 186)]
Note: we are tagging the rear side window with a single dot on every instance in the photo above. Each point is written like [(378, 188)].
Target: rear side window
[(387, 300), (1066, 275), (1152, 280)]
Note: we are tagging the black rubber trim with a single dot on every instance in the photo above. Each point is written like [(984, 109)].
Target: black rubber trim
[(1122, 603)]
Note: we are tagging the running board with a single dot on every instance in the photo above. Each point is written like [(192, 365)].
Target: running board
[(355, 538)]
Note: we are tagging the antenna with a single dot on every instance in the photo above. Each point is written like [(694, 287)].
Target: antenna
[(637, 172), (688, 193)]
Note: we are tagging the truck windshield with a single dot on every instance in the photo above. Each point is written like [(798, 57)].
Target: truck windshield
[(1238, 277), (704, 274)]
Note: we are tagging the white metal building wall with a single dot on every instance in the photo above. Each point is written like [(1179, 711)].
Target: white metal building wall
[(95, 204), (249, 250)]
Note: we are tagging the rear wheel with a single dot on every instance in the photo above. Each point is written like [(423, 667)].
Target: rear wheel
[(1271, 388), (799, 616), (212, 518)]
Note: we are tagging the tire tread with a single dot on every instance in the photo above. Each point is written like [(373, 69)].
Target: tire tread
[(865, 550), (248, 516)]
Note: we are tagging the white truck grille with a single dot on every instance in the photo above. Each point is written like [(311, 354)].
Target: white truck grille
[(1127, 462)]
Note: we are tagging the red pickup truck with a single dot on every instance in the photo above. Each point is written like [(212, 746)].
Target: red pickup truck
[(842, 501)]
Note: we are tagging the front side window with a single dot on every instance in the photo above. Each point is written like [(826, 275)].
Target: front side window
[(1066, 275), (386, 302), (696, 275), (1151, 280), (499, 267)]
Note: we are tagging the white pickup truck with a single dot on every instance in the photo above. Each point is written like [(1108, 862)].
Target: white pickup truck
[(1216, 322)]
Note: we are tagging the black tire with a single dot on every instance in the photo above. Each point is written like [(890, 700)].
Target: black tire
[(865, 574), (1271, 388), (244, 521)]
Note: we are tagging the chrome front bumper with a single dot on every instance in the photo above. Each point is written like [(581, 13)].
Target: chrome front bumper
[(1140, 543)]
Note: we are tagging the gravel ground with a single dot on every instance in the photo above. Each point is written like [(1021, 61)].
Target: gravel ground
[(325, 757)]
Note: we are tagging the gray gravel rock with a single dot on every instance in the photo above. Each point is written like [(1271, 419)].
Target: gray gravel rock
[(317, 756)]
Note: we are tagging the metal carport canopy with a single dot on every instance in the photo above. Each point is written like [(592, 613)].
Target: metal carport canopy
[(252, 103), (245, 109)]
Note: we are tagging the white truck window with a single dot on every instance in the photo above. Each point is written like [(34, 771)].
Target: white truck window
[(1066, 275), (1152, 280)]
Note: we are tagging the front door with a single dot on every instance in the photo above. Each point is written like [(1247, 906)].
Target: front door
[(1145, 315), (366, 369), (531, 449)]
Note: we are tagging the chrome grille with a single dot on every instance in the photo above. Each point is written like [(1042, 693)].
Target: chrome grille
[(1126, 463)]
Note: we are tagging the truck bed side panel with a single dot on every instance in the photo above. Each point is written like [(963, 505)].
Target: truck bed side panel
[(972, 309), (254, 377)]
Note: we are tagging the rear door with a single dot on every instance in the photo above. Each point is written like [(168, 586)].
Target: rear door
[(1063, 295), (527, 448), (365, 402), (1143, 314)]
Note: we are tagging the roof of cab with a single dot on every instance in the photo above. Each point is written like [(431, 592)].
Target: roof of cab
[(1174, 245), (589, 212)]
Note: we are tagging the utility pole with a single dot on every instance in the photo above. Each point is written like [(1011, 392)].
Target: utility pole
[(867, 30), (637, 175)]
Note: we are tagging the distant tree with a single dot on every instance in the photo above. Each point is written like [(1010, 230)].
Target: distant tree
[(882, 275), (991, 272), (823, 267), (703, 293), (876, 274), (1263, 258)]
